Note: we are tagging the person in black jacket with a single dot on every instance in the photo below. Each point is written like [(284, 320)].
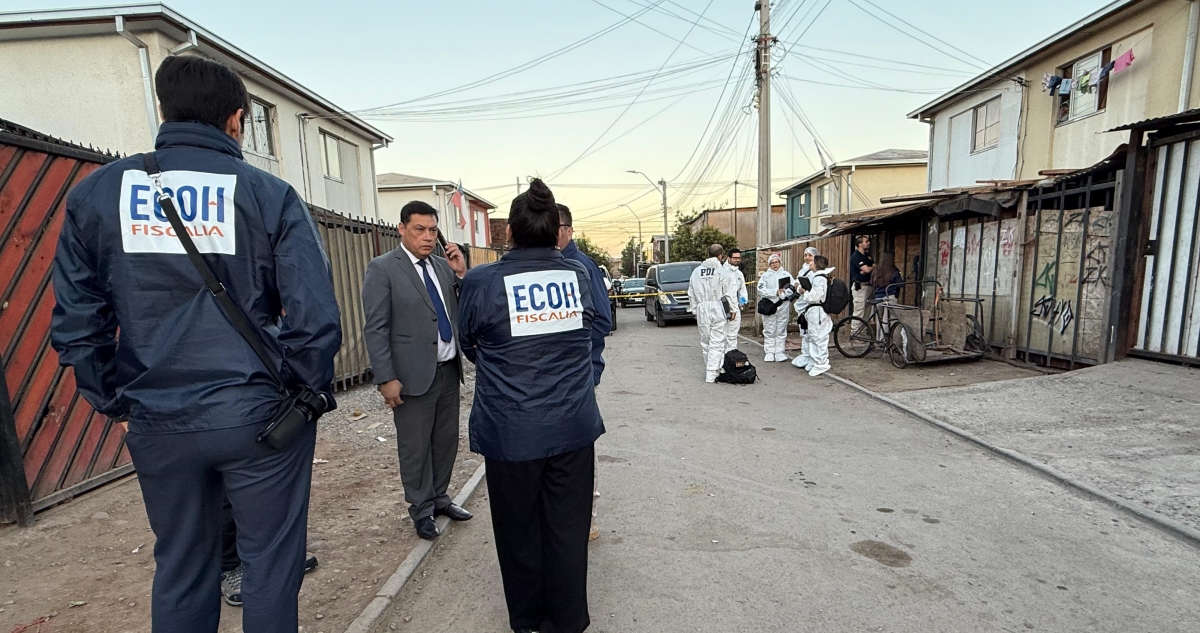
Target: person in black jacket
[(525, 322), (195, 393)]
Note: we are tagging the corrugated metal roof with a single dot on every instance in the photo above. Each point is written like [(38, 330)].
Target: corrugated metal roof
[(392, 179), (1187, 116)]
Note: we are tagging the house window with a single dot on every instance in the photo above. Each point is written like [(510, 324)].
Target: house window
[(1078, 104), (987, 125), (331, 160), (823, 199), (257, 129)]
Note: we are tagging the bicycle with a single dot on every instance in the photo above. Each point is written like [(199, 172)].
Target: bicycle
[(855, 337)]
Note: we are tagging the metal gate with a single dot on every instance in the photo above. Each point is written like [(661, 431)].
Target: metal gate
[(65, 447), (1169, 323), (1067, 284)]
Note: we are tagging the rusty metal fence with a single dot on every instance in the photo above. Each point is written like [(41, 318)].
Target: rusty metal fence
[(55, 445)]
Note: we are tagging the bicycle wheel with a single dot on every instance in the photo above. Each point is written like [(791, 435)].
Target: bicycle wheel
[(854, 337), (910, 346)]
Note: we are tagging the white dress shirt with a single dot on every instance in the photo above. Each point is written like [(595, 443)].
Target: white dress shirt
[(446, 349)]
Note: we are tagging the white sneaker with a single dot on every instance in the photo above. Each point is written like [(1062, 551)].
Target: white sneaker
[(814, 372)]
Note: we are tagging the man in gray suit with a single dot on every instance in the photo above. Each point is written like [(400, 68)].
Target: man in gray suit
[(410, 297)]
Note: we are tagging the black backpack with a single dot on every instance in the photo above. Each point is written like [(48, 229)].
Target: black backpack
[(837, 296), (737, 369)]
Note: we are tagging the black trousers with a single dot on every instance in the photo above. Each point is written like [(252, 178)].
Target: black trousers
[(183, 477), (541, 514), (427, 442), (229, 555)]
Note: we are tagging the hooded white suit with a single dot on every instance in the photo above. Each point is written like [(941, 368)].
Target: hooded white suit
[(710, 282), (775, 325), (814, 353), (733, 327)]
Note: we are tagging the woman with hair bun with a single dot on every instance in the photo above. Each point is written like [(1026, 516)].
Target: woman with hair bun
[(525, 322)]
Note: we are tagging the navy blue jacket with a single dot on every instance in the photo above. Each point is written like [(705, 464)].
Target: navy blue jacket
[(602, 324), (179, 365), (525, 322)]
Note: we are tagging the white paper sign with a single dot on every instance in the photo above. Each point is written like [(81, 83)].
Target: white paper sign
[(205, 204), (543, 302)]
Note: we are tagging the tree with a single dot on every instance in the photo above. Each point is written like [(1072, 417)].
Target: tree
[(688, 244), (630, 256), (592, 250)]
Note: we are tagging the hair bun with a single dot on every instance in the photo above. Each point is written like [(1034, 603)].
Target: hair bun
[(540, 197)]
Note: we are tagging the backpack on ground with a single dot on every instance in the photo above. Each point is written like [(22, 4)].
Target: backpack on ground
[(837, 296), (737, 369)]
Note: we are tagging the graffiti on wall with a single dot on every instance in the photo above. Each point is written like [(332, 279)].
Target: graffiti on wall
[(1048, 278), (944, 252), (1008, 239), (1054, 312), (1095, 266)]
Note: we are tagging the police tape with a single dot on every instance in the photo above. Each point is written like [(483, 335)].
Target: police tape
[(657, 294)]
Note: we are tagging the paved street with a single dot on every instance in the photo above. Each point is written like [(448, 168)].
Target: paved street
[(797, 504)]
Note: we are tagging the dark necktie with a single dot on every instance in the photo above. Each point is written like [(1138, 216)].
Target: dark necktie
[(438, 306)]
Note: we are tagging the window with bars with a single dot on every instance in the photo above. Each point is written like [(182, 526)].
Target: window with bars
[(987, 126), (1077, 103), (331, 159), (257, 128)]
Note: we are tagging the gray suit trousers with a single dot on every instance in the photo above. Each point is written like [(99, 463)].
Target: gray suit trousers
[(427, 442)]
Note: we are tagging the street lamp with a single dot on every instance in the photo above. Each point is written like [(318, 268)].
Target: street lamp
[(666, 231), (638, 253)]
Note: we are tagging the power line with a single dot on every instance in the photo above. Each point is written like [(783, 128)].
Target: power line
[(635, 99)]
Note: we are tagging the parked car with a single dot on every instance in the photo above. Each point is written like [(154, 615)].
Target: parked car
[(666, 290), (635, 286)]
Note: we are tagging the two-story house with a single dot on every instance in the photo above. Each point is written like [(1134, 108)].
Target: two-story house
[(1129, 61), (466, 223), (852, 185), (88, 75)]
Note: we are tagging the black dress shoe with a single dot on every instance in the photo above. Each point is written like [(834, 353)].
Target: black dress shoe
[(427, 529), (456, 513)]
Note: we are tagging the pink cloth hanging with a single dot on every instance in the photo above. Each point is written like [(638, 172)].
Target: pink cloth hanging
[(1123, 62)]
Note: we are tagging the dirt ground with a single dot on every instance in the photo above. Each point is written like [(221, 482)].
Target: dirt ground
[(876, 373), (87, 565)]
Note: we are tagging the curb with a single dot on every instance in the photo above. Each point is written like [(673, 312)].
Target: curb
[(1166, 524), (390, 589)]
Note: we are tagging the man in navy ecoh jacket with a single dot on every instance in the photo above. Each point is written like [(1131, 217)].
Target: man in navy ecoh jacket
[(193, 390)]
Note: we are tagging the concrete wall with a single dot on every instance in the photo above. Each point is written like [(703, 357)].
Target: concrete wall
[(874, 183), (89, 89), (952, 163)]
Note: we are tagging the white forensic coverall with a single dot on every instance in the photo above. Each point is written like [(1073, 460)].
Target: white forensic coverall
[(733, 327), (814, 350), (775, 325), (710, 282)]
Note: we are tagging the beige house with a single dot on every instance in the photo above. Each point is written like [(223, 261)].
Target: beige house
[(849, 186), (88, 75), (745, 227), (1003, 125), (466, 224)]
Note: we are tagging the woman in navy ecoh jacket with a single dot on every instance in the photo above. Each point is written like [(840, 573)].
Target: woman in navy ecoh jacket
[(525, 323)]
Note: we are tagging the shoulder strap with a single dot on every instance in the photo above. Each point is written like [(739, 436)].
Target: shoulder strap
[(232, 311)]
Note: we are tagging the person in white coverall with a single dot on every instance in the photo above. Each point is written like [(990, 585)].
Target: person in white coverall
[(775, 325), (814, 357), (733, 263), (709, 285)]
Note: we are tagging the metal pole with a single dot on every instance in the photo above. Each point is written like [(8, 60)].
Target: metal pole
[(1189, 56), (735, 214), (764, 123)]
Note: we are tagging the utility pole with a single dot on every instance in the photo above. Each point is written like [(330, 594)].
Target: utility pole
[(518, 185), (763, 67), (637, 255), (735, 212), (666, 231)]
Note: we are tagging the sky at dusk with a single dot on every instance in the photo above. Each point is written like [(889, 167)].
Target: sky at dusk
[(638, 95)]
